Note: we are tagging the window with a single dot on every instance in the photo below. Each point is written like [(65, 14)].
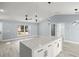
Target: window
[(22, 30)]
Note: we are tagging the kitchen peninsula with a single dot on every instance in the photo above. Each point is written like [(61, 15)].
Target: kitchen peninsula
[(41, 47)]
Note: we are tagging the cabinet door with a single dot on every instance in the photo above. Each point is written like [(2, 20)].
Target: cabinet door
[(60, 44), (57, 47), (50, 50)]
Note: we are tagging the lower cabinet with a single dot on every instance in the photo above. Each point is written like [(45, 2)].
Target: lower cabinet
[(42, 52), (60, 44), (57, 47), (49, 50)]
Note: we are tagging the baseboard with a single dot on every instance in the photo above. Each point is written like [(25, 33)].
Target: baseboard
[(74, 42)]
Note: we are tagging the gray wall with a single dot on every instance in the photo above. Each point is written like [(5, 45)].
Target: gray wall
[(34, 29), (71, 32), (10, 31), (44, 28)]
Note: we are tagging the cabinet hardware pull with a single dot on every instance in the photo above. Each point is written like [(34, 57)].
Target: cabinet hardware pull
[(58, 45), (40, 50), (49, 45)]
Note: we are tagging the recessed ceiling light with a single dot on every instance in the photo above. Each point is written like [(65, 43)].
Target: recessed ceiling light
[(49, 2), (1, 10), (76, 9)]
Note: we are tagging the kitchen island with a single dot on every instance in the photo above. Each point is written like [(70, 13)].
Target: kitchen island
[(41, 47)]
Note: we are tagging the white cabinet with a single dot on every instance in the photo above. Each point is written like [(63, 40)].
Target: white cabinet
[(41, 52), (50, 49), (60, 44), (57, 47)]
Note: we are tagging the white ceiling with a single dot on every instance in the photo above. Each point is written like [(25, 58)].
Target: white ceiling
[(17, 10)]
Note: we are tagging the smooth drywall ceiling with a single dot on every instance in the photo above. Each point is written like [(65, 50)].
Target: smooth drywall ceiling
[(17, 10)]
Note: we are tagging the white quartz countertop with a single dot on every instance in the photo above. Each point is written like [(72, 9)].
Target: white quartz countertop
[(35, 43)]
